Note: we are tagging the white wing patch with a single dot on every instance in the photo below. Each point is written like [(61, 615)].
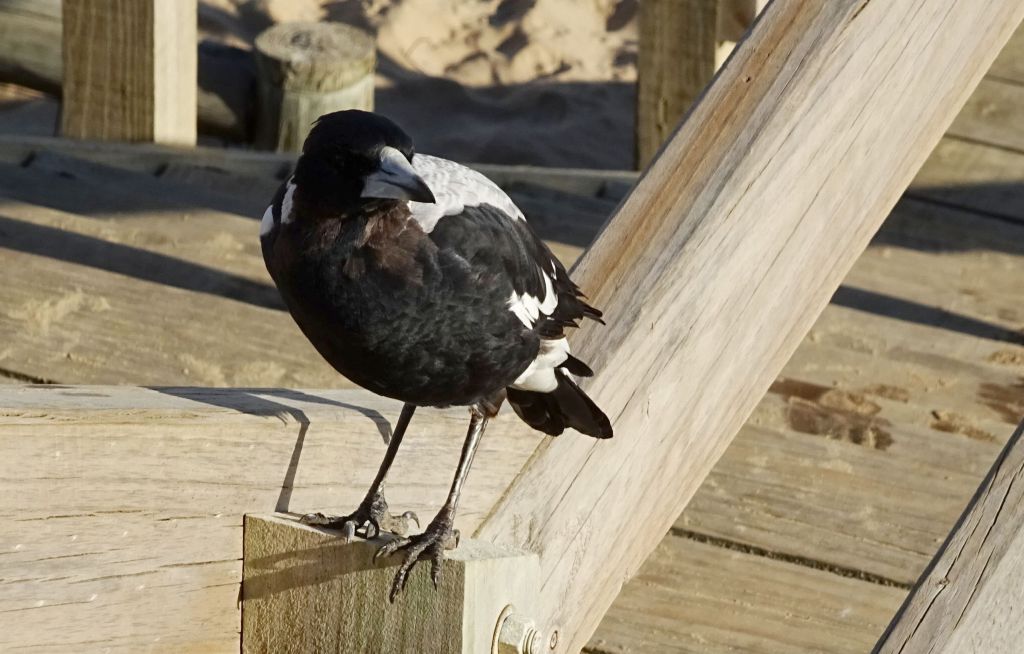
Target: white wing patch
[(540, 375), (528, 308), (455, 187)]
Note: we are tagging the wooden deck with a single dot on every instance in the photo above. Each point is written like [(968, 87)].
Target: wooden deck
[(141, 266)]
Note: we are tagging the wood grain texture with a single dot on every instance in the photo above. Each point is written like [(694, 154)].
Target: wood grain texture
[(307, 590), (694, 598), (987, 180), (969, 599), (29, 29), (1009, 65), (128, 519), (306, 70), (823, 114), (676, 60), (129, 70), (226, 82), (993, 115)]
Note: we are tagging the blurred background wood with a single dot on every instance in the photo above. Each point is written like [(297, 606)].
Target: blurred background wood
[(306, 70), (129, 70), (226, 96), (676, 61)]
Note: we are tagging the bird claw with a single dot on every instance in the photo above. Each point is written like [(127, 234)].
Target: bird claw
[(367, 521), (432, 543)]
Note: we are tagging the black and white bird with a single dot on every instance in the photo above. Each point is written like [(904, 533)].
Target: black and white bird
[(420, 280)]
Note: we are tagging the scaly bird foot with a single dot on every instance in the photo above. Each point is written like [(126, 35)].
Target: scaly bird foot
[(435, 539), (368, 521)]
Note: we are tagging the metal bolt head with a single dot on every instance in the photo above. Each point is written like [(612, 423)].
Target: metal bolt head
[(519, 635)]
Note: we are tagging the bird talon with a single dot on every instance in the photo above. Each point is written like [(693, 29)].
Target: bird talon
[(429, 545), (389, 548), (348, 530)]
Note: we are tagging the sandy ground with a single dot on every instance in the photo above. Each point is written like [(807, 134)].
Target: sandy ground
[(544, 82)]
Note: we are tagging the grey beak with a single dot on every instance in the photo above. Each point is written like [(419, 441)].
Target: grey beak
[(396, 179)]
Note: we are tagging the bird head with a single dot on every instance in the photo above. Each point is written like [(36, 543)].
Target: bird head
[(356, 156)]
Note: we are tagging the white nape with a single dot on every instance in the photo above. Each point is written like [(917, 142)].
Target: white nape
[(455, 187)]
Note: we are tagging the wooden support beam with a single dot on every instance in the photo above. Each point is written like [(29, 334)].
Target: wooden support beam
[(306, 70), (308, 590), (970, 597), (130, 70), (676, 61), (720, 259)]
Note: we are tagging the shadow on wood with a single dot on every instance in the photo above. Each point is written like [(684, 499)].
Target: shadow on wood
[(307, 590)]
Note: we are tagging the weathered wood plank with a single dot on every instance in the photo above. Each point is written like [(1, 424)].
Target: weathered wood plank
[(692, 597), (818, 497), (873, 401), (65, 321), (993, 115), (128, 523), (969, 598), (1009, 65), (705, 279), (676, 61), (29, 29), (974, 176), (130, 70)]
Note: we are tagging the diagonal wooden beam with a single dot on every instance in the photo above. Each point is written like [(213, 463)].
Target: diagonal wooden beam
[(969, 598), (719, 261)]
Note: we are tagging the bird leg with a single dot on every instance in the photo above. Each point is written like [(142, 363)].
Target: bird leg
[(372, 515), (439, 534)]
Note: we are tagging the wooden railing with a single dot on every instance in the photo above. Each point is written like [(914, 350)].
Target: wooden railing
[(710, 274)]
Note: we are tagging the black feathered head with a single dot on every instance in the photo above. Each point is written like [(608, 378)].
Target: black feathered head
[(355, 156)]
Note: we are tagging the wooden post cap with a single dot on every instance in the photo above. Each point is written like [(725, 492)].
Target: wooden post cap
[(316, 56), (306, 70)]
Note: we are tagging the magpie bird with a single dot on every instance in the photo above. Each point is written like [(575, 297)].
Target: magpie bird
[(420, 280)]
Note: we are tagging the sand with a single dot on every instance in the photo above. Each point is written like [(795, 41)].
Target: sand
[(542, 82)]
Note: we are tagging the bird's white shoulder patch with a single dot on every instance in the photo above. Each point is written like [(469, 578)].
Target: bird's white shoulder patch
[(278, 213), (455, 187), (286, 202), (267, 224)]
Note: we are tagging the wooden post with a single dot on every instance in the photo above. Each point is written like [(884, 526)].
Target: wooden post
[(306, 70), (308, 590), (148, 495), (676, 62), (721, 258), (130, 70), (970, 597), (734, 19)]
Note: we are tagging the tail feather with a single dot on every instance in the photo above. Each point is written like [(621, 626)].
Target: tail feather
[(566, 406)]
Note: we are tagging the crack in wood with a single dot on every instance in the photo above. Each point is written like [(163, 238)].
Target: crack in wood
[(817, 564)]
